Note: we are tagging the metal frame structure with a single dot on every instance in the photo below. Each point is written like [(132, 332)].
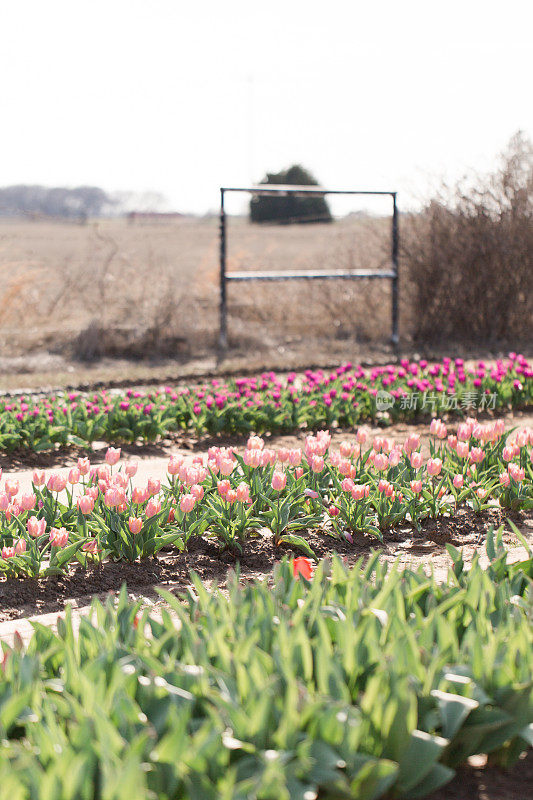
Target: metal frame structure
[(309, 275)]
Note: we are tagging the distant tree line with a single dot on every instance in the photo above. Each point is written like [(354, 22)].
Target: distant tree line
[(78, 203), (289, 208)]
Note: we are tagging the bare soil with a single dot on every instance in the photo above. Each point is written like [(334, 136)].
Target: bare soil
[(23, 598), (480, 781)]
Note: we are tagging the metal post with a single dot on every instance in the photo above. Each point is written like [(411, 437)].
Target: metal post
[(395, 237), (223, 334)]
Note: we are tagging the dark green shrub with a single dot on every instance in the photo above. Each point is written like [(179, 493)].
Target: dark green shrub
[(290, 209)]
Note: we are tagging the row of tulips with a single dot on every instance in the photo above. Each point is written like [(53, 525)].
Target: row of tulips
[(345, 397), (366, 486)]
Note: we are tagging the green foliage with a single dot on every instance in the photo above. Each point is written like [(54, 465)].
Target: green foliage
[(361, 683), (290, 209)]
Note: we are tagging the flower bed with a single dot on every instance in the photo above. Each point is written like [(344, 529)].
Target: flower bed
[(363, 489), (344, 397), (363, 683)]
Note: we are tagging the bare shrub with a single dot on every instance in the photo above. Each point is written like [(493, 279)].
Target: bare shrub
[(468, 256)]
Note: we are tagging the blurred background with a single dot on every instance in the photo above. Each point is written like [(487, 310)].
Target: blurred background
[(123, 118)]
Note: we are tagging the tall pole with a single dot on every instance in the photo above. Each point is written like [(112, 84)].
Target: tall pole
[(395, 289), (223, 334)]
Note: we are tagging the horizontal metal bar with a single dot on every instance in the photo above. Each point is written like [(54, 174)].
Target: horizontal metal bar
[(317, 191), (308, 275)]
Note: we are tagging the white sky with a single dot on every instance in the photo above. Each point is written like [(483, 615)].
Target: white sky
[(182, 97)]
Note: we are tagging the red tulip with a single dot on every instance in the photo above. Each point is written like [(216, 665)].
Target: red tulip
[(302, 566)]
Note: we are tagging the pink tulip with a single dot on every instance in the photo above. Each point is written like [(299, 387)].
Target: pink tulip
[(103, 472), (20, 546), (112, 455), (74, 476), (154, 486), (345, 467), (505, 480), (268, 457), (516, 473), (458, 481), (27, 501), (347, 485), (279, 481), (131, 468), (416, 486), (8, 552), (255, 443), (462, 449), (223, 487), (243, 492), (463, 432), (295, 457), (416, 459), (226, 466), (438, 428), (90, 546), (360, 491), (60, 483), (231, 496), (197, 491), (317, 463), (153, 507), (119, 479), (507, 453), (114, 497), (38, 477), (86, 504), (412, 443), (36, 527), (58, 537), (346, 449), (311, 493), (378, 443), (361, 435), (84, 465), (381, 462), (4, 501), (135, 524), (522, 438), (452, 442), (12, 487), (298, 472), (13, 510), (394, 457), (187, 503), (174, 465), (476, 455), (252, 458), (283, 455), (56, 482), (434, 466)]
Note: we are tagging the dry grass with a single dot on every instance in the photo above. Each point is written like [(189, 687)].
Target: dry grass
[(119, 290)]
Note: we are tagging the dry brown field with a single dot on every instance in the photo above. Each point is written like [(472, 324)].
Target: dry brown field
[(75, 294)]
